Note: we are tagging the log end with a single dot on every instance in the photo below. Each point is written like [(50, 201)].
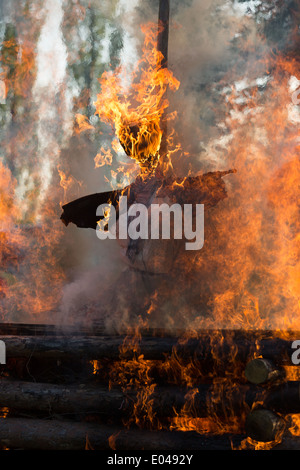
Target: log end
[(260, 371), (264, 425)]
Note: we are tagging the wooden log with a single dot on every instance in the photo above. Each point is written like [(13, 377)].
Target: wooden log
[(63, 399), (237, 399), (264, 425), (34, 434), (172, 441), (212, 348), (83, 347), (284, 399), (166, 401), (109, 347), (260, 371)]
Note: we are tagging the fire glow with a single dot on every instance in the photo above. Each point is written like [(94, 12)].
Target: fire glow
[(247, 274), (135, 113)]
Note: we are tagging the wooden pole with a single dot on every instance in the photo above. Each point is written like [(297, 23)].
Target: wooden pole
[(163, 30), (163, 47), (52, 399)]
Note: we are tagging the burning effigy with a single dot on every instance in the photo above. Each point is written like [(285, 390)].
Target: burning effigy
[(139, 117)]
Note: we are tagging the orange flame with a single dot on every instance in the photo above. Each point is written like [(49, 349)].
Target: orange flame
[(104, 157), (82, 123), (136, 113)]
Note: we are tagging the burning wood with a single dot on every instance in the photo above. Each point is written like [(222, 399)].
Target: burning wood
[(167, 401), (179, 406), (31, 434), (203, 348)]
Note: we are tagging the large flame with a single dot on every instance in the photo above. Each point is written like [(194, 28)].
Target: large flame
[(250, 265), (28, 237), (136, 112), (259, 268)]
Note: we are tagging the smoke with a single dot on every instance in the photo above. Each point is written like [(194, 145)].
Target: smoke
[(51, 66)]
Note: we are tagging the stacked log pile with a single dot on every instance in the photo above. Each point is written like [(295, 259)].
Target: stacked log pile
[(51, 397)]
